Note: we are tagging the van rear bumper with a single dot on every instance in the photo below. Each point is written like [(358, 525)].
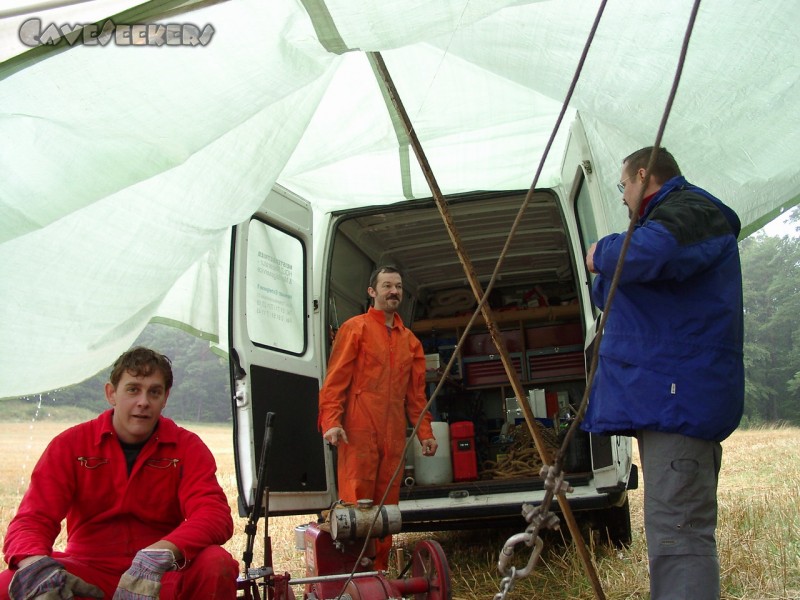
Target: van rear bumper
[(494, 510)]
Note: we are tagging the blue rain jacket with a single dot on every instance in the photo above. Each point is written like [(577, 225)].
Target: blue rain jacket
[(671, 352)]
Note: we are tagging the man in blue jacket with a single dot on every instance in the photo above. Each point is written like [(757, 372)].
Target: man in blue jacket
[(670, 369)]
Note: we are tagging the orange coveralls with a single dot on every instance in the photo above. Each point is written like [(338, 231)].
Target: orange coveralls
[(375, 381)]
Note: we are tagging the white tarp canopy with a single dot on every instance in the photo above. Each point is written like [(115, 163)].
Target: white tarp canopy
[(123, 167)]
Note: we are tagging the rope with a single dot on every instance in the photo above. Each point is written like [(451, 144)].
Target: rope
[(520, 458), (631, 226), (554, 474)]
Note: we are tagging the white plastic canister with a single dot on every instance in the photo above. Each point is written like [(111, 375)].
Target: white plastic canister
[(437, 469)]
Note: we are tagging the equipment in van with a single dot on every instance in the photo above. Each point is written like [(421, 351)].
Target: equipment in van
[(462, 440), (437, 469)]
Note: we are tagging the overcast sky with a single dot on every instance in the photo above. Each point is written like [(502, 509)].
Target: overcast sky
[(780, 227)]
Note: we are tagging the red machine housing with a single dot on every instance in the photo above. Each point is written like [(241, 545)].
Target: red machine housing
[(326, 557), (430, 573)]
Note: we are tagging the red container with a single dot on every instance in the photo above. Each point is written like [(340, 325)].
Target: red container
[(462, 450), (551, 400)]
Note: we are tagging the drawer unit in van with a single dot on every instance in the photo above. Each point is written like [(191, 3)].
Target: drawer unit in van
[(487, 370), (560, 361)]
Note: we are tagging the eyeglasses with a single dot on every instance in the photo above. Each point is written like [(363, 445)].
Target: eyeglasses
[(621, 184)]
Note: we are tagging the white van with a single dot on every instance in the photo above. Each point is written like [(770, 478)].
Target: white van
[(290, 292)]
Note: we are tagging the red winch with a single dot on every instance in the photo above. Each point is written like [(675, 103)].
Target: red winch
[(339, 553), (335, 567)]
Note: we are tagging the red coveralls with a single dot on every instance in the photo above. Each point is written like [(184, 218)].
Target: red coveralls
[(172, 494), (375, 381)]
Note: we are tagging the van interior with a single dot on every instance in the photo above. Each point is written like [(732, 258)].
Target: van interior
[(535, 304)]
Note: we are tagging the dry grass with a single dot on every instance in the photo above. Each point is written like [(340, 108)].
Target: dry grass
[(759, 532)]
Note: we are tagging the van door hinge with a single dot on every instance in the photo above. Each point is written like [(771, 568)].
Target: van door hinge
[(587, 166), (316, 305)]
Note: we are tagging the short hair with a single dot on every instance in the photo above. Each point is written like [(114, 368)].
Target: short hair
[(373, 279), (141, 362), (665, 166)]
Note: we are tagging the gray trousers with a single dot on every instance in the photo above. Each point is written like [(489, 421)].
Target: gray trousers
[(680, 515)]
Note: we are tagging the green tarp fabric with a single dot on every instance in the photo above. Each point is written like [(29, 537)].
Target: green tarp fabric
[(122, 168)]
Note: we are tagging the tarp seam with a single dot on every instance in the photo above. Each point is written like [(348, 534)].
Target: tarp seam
[(399, 131), (327, 32)]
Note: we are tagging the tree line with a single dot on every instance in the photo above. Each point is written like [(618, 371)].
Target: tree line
[(200, 390), (771, 277)]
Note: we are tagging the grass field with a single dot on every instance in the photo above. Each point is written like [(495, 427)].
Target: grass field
[(758, 535)]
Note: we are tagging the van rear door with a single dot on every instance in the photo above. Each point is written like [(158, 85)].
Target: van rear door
[(585, 215), (586, 218), (274, 358)]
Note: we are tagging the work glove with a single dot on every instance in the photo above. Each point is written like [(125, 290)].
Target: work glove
[(47, 579), (142, 581)]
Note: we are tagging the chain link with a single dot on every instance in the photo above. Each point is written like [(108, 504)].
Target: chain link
[(506, 585)]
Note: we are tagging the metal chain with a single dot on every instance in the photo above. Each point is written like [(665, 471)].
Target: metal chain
[(506, 585), (539, 517)]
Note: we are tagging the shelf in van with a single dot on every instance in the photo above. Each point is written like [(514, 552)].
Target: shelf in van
[(539, 313)]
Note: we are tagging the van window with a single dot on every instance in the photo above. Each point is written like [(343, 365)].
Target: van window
[(276, 263), (585, 212)]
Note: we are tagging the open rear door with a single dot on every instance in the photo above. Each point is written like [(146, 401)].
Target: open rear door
[(584, 211), (274, 358), (586, 217)]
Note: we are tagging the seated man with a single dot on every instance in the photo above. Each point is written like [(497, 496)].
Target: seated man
[(145, 515)]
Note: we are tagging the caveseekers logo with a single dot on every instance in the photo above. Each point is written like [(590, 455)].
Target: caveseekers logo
[(31, 33)]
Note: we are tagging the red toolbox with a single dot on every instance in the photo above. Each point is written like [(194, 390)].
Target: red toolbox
[(552, 363), (489, 369), (462, 448)]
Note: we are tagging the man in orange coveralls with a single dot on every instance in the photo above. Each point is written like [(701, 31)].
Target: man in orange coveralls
[(375, 381), (145, 514)]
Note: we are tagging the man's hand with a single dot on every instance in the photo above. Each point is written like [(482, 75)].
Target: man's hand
[(47, 579), (590, 258), (143, 579), (334, 435), (429, 447)]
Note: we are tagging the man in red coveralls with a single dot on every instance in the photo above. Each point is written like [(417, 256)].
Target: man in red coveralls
[(375, 381), (145, 514)]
